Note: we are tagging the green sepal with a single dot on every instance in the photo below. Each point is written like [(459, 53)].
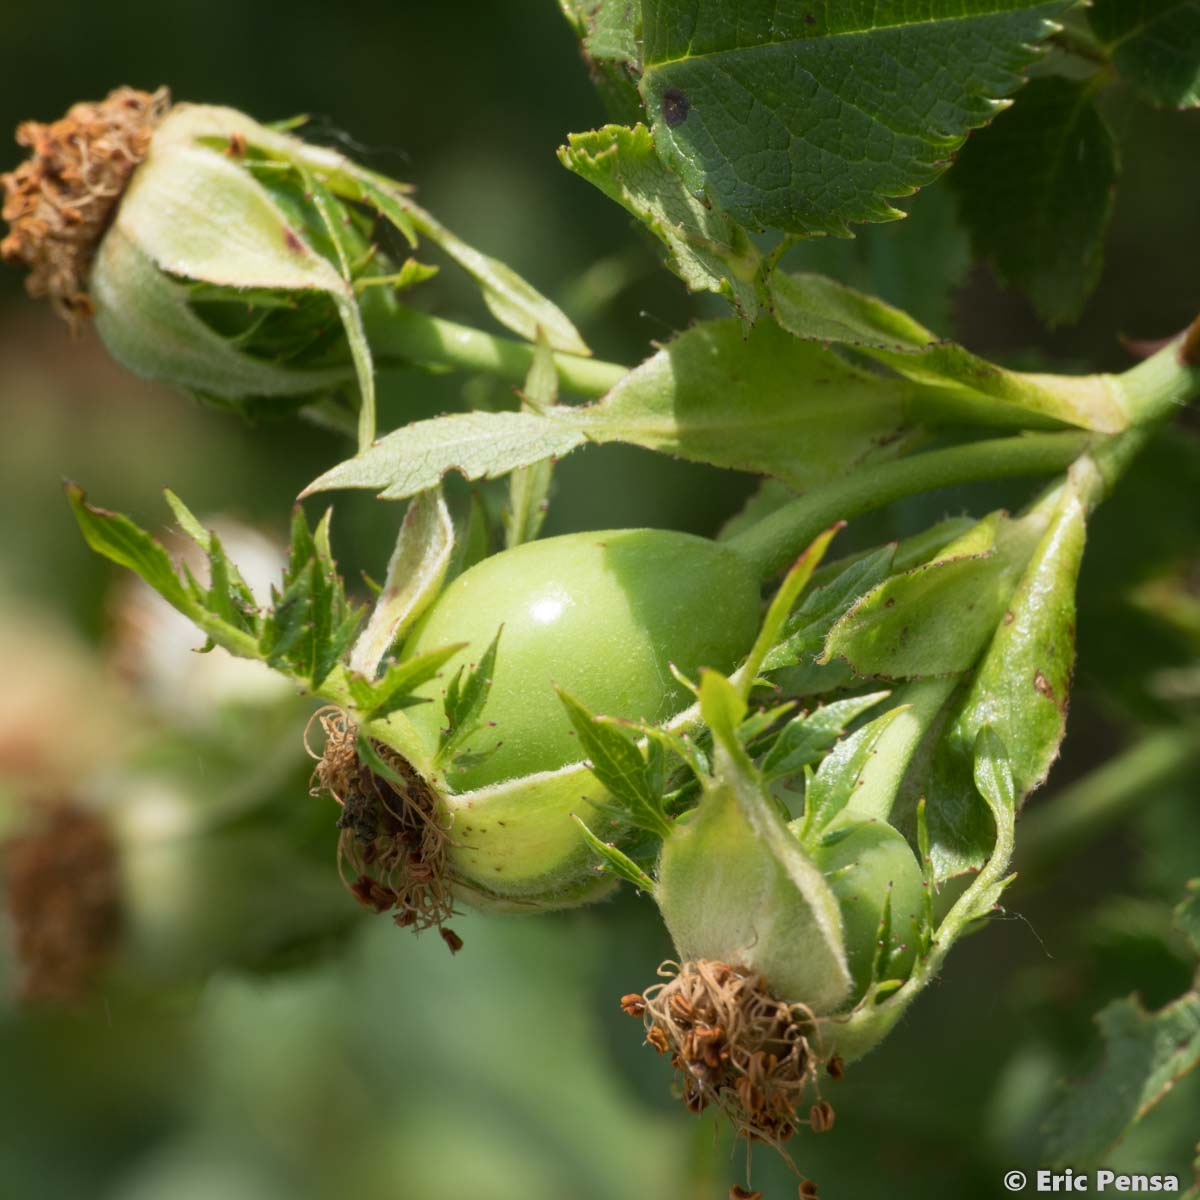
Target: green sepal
[(840, 775), (634, 780), (734, 884), (937, 618), (416, 571), (1020, 689), (808, 738), (614, 860), (466, 695), (376, 699)]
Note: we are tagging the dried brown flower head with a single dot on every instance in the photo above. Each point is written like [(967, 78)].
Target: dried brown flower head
[(736, 1046), (59, 202), (392, 848)]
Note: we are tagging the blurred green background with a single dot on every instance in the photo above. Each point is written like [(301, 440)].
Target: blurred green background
[(260, 1038)]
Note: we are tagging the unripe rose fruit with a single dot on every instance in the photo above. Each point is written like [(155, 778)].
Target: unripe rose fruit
[(602, 615)]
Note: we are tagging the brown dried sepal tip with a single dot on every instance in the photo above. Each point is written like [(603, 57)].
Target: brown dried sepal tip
[(62, 893), (1189, 348), (736, 1046), (392, 846), (59, 202)]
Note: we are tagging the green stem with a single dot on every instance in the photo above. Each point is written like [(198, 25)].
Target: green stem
[(778, 538), (1059, 826), (1167, 379), (415, 337)]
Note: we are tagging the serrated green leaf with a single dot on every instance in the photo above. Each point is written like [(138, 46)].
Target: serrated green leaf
[(857, 103), (618, 765), (805, 632), (705, 248), (956, 385), (479, 445), (119, 540), (781, 604), (310, 626), (1036, 193), (415, 573), (228, 598), (286, 637), (608, 31), (614, 860), (466, 697), (374, 700), (764, 402), (187, 520), (610, 28), (1155, 44), (1144, 1054), (809, 737)]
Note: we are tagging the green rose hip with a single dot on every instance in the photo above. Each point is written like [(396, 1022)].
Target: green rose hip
[(602, 615)]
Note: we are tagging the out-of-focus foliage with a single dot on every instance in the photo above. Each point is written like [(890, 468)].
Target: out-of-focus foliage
[(295, 1049)]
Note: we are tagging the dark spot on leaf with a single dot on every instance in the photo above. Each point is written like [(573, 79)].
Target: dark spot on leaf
[(890, 602), (675, 107), (809, 19), (291, 241), (1008, 617), (1043, 685)]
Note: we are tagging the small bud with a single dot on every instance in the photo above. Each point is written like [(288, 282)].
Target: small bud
[(213, 252), (735, 886)]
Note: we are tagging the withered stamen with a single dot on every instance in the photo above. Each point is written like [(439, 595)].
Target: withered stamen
[(392, 848), (737, 1046)]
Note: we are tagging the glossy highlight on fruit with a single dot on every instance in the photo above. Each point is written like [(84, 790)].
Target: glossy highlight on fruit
[(602, 615)]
